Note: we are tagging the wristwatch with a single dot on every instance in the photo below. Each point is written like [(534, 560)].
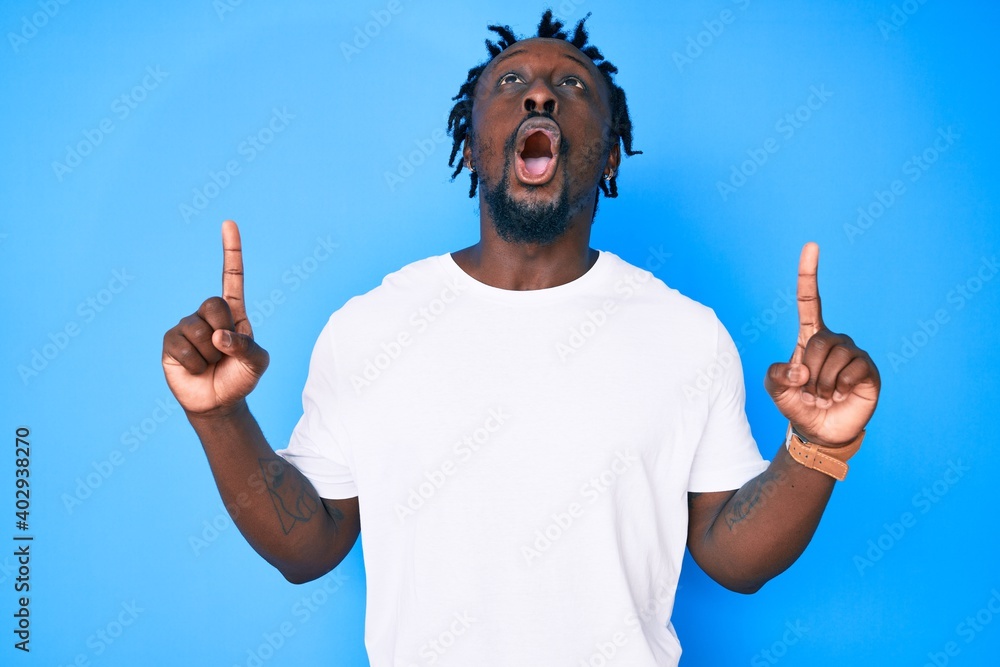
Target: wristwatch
[(830, 461)]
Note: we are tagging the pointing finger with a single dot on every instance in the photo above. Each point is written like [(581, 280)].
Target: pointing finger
[(232, 276), (810, 317)]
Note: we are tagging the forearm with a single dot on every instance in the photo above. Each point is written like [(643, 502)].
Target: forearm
[(828, 391), (274, 506), (766, 525)]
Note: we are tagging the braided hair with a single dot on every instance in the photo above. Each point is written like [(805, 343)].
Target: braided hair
[(460, 119)]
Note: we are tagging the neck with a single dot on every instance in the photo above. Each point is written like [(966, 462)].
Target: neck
[(528, 266)]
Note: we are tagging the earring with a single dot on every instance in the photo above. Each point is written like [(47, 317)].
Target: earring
[(468, 165), (609, 176)]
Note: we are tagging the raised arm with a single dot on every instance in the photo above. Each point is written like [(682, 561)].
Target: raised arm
[(211, 363), (828, 391)]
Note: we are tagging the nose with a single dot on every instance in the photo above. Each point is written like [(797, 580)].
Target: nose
[(540, 97)]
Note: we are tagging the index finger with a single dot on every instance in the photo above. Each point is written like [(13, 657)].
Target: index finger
[(810, 316), (232, 276)]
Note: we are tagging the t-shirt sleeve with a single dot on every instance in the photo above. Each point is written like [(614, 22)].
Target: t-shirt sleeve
[(319, 442), (727, 455)]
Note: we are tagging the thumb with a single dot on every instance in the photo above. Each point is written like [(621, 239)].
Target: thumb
[(781, 377), (241, 347)]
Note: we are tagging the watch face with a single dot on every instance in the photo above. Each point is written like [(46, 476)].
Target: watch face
[(791, 432)]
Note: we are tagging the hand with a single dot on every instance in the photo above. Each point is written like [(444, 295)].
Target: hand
[(829, 388), (210, 358)]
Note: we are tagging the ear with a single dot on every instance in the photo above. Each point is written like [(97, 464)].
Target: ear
[(614, 158), (467, 153)]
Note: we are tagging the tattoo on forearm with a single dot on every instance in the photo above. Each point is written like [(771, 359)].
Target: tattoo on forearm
[(294, 500), (754, 493)]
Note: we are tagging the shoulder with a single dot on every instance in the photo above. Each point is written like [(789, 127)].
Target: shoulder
[(411, 283), (640, 288)]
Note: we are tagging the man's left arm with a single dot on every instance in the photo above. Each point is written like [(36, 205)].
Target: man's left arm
[(828, 392)]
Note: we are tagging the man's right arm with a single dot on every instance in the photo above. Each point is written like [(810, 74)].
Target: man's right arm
[(211, 363), (272, 503)]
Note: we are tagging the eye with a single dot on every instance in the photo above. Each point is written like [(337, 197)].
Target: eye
[(573, 81), (510, 77)]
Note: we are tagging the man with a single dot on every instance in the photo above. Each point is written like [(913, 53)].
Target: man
[(530, 430)]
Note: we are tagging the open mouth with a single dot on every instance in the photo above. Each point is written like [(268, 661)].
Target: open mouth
[(538, 151)]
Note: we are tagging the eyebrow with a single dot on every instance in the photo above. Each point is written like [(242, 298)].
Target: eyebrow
[(576, 60), (507, 54), (513, 52)]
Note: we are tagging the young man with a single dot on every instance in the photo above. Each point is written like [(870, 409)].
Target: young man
[(523, 427)]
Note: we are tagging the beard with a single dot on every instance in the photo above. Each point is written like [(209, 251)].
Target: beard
[(528, 222)]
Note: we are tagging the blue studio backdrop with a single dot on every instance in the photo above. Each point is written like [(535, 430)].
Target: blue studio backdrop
[(131, 130)]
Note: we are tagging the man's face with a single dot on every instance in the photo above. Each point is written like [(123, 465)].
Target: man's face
[(540, 139)]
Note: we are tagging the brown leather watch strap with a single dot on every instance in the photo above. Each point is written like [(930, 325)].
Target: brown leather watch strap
[(827, 460)]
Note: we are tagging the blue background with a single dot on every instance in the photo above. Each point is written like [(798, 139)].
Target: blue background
[(127, 521)]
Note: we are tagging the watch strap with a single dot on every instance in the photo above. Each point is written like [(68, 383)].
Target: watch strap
[(830, 461)]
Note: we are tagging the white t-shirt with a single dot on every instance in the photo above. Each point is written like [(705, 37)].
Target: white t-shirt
[(522, 459)]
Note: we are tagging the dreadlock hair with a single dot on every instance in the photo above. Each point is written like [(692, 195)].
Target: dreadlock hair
[(460, 119)]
